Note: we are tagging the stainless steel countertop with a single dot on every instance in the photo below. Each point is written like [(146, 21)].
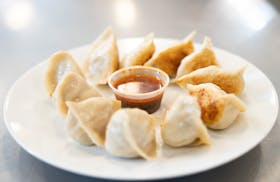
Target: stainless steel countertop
[(30, 31)]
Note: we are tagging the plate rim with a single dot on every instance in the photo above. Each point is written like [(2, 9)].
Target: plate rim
[(113, 177)]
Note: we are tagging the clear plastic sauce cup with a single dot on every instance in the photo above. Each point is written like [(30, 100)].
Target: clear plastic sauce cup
[(139, 86)]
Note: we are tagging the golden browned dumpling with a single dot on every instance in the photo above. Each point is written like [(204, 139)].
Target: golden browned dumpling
[(169, 59), (75, 88), (102, 59), (141, 54), (89, 119), (218, 109), (229, 81), (59, 64), (202, 58)]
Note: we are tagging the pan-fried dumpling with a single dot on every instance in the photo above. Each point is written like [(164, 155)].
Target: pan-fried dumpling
[(218, 108), (169, 59), (131, 133), (59, 64), (229, 81), (88, 119), (199, 59), (182, 124), (141, 54), (102, 59), (73, 87)]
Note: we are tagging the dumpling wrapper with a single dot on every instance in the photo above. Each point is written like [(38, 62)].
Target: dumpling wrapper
[(76, 131), (75, 88), (59, 64), (141, 54), (229, 81), (88, 119), (219, 109), (102, 59), (182, 124), (131, 133), (199, 59), (169, 59)]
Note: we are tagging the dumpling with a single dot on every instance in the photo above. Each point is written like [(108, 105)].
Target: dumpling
[(219, 109), (59, 64), (131, 133), (182, 124), (169, 59), (229, 81), (75, 131), (88, 119), (141, 54), (102, 59), (199, 59), (73, 87)]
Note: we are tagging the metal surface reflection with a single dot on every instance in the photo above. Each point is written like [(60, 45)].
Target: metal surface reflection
[(18, 14), (125, 12), (254, 14)]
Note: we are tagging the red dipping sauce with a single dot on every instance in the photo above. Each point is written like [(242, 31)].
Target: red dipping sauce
[(139, 86)]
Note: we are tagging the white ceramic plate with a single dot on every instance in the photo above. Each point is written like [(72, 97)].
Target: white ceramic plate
[(34, 123)]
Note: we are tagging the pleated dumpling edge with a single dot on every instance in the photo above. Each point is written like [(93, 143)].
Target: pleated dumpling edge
[(73, 87), (170, 58), (91, 119), (59, 64), (131, 133), (102, 58), (141, 54), (201, 58)]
